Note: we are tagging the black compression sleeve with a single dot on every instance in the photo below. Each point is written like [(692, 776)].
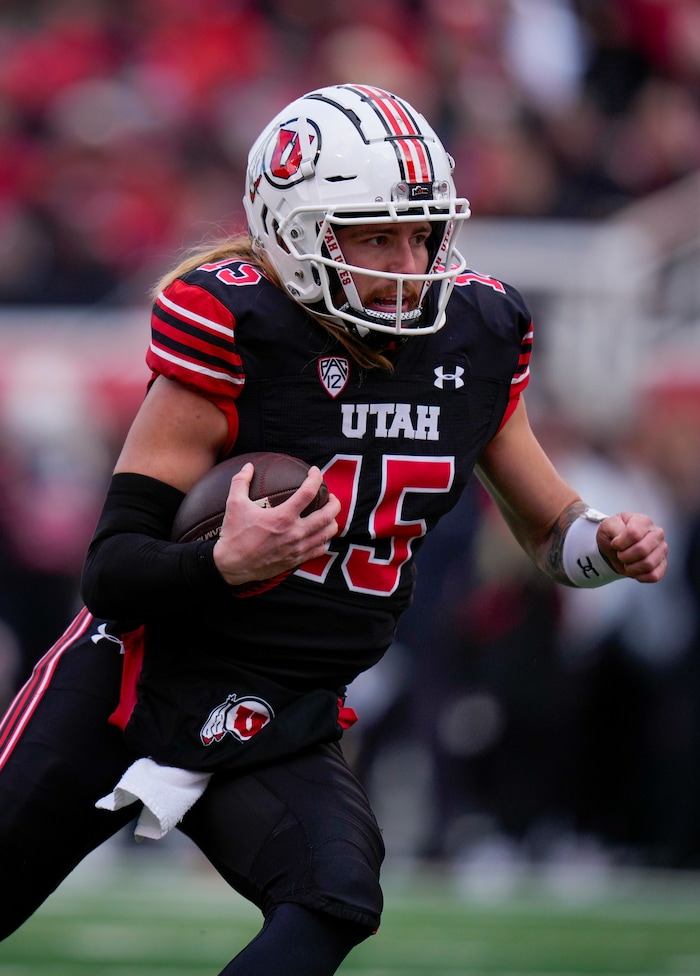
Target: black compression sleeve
[(131, 570)]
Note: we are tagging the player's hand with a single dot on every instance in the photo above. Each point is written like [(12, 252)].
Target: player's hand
[(634, 546), (259, 543)]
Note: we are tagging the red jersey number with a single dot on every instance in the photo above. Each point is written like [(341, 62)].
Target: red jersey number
[(242, 274), (363, 569)]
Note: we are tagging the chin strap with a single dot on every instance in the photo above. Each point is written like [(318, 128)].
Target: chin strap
[(382, 342), (366, 332), (373, 316)]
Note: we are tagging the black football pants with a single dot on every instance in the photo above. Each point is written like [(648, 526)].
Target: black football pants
[(298, 832)]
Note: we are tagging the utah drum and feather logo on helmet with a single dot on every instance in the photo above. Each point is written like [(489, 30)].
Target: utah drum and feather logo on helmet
[(288, 155)]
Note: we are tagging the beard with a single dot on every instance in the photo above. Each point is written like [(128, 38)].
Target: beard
[(385, 303)]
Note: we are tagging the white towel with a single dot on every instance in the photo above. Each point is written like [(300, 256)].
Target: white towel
[(167, 793)]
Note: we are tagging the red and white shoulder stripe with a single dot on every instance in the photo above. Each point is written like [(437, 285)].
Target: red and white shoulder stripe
[(193, 341), (521, 376)]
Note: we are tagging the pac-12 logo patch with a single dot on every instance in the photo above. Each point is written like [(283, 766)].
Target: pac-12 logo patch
[(242, 717), (334, 372)]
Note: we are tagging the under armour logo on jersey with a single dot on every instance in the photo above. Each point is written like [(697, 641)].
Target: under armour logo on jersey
[(441, 377), (334, 372), (103, 635)]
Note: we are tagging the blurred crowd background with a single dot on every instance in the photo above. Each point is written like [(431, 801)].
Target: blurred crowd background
[(513, 717), (125, 125)]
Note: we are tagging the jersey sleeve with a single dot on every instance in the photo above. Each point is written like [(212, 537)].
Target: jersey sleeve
[(521, 377), (193, 342)]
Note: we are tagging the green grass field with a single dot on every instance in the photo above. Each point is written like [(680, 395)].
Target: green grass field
[(153, 916)]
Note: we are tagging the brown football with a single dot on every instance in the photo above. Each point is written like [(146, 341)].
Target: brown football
[(276, 478)]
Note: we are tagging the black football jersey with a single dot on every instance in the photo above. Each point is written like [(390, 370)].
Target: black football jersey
[(397, 448)]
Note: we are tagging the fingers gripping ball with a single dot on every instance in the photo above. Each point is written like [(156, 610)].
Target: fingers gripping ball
[(276, 477)]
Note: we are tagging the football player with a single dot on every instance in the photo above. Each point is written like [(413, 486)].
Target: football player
[(344, 328)]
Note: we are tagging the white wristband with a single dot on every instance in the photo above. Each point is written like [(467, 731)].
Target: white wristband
[(583, 561)]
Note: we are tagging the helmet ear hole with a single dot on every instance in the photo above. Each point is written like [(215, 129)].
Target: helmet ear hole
[(279, 240)]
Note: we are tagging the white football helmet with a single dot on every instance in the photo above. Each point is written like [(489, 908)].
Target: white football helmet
[(352, 155)]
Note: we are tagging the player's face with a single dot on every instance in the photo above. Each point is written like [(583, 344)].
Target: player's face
[(394, 248)]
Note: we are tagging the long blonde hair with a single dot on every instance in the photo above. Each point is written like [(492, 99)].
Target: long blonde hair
[(240, 248)]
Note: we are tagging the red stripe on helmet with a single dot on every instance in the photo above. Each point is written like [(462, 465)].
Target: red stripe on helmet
[(399, 121), (416, 159), (391, 109)]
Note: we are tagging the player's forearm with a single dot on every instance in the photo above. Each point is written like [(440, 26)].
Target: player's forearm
[(131, 568), (570, 553), (549, 556), (544, 544)]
